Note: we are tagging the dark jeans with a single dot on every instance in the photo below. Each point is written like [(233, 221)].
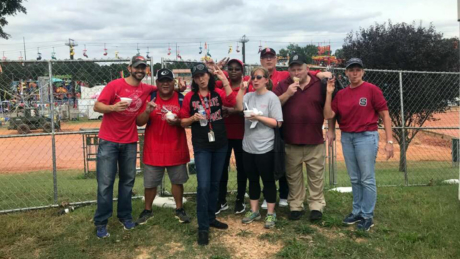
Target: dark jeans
[(237, 146), (209, 165), (260, 166), (109, 156)]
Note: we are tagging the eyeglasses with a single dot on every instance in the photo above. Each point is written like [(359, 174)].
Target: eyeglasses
[(257, 77), (234, 69)]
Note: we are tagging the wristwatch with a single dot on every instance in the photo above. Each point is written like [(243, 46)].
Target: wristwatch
[(390, 142)]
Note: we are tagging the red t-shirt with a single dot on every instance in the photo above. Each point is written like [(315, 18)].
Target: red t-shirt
[(358, 108), (235, 122), (120, 127), (165, 145), (303, 113)]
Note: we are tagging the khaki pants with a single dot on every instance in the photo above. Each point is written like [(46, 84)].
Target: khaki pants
[(314, 158)]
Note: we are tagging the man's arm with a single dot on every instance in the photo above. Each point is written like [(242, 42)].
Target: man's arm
[(104, 108)]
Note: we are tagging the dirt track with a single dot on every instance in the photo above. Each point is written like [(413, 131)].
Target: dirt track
[(35, 153)]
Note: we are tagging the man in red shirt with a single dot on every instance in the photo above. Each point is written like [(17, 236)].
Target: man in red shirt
[(120, 102), (302, 98), (165, 145)]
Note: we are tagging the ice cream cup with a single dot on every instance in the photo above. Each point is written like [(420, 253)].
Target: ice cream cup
[(126, 99), (248, 113)]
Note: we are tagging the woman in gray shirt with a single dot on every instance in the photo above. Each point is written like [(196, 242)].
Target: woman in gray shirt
[(258, 142)]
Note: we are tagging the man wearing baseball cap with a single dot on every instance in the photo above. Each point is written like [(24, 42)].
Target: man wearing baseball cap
[(120, 102), (165, 145), (303, 100)]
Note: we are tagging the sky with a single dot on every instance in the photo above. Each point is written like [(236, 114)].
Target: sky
[(155, 26)]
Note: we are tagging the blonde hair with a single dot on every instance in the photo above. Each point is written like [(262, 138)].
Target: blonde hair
[(266, 75)]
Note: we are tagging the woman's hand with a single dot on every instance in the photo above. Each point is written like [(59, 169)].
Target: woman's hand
[(389, 150), (331, 85)]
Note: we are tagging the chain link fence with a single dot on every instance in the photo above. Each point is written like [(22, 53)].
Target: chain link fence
[(49, 130)]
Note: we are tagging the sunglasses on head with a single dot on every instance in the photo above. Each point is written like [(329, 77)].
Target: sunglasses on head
[(258, 77)]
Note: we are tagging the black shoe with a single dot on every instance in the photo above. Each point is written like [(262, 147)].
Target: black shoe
[(217, 224), (182, 216), (352, 219), (315, 215), (221, 207), (145, 215), (296, 214), (203, 238), (365, 224), (240, 207)]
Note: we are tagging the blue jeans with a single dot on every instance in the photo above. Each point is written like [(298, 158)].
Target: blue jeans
[(109, 156), (360, 151), (209, 165)]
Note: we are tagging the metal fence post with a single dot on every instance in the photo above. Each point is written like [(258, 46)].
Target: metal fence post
[(53, 136), (406, 179), (152, 75)]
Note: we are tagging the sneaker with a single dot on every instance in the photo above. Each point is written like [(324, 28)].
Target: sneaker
[(240, 207), (315, 215), (296, 214), (283, 203), (127, 224), (352, 219), (221, 207), (182, 216), (144, 216), (217, 224), (264, 205), (250, 217), (270, 220), (203, 238), (101, 231), (365, 224)]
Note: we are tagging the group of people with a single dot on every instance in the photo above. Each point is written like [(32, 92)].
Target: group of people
[(297, 100)]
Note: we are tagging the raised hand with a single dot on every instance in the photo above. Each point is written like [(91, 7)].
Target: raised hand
[(331, 85), (151, 106)]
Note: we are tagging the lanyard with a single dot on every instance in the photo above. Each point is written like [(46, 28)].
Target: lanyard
[(208, 109)]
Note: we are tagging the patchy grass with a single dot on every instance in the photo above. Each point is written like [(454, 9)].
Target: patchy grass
[(410, 222)]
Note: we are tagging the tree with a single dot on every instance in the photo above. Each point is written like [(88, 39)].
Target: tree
[(408, 47), (308, 51), (9, 7)]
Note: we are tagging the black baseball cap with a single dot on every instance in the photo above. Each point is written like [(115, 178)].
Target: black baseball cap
[(354, 61), (165, 73), (138, 60), (297, 59), (199, 69), (267, 51)]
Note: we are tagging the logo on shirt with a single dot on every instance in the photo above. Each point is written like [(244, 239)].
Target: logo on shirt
[(363, 101)]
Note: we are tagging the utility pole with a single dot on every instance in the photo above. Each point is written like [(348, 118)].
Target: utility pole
[(25, 54), (243, 41), (176, 51), (71, 45)]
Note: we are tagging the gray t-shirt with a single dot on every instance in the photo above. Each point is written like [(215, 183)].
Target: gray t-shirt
[(260, 139)]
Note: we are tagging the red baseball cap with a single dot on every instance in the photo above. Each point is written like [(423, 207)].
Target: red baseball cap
[(236, 60)]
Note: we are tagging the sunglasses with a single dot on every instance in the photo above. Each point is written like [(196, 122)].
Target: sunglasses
[(269, 57), (257, 77), (234, 69)]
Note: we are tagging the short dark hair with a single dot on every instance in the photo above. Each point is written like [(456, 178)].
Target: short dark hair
[(211, 84)]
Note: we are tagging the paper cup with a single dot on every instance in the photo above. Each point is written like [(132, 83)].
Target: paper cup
[(126, 99), (248, 113)]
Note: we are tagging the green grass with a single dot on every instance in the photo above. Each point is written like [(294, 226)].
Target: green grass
[(411, 222), (21, 190)]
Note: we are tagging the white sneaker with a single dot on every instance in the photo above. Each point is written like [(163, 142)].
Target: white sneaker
[(283, 203), (264, 205)]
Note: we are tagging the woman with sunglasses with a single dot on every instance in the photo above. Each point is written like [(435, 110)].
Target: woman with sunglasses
[(258, 142), (234, 123), (209, 139)]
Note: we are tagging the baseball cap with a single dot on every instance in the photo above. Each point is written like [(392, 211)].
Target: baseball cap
[(267, 51), (237, 61), (165, 73), (199, 69), (138, 60), (354, 61), (297, 59)]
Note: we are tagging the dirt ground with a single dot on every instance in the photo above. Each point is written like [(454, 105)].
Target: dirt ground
[(27, 154)]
